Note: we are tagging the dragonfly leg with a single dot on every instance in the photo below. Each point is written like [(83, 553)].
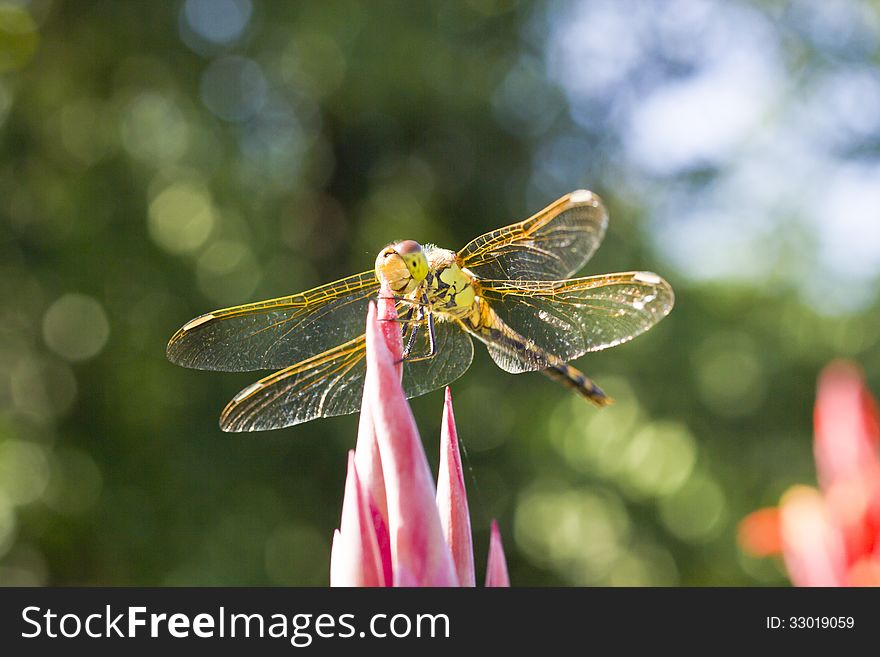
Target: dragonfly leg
[(405, 321), (413, 333), (432, 341)]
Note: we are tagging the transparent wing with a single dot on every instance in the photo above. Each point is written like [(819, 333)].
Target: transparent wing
[(332, 383), (454, 354), (328, 384), (517, 358), (569, 318), (553, 244), (278, 332), (511, 351)]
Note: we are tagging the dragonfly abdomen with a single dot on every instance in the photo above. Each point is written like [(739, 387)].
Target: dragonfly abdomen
[(515, 353), (579, 382)]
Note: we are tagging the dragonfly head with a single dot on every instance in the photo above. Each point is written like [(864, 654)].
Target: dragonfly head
[(403, 265)]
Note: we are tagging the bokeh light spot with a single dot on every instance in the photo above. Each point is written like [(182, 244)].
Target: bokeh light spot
[(593, 442), (659, 458), (644, 565), (234, 88), (181, 217), (7, 525), (219, 21), (576, 532), (228, 271), (154, 129), (42, 388), (696, 511), (24, 471), (18, 37), (75, 327)]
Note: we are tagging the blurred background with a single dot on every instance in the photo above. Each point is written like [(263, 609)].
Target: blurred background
[(158, 160)]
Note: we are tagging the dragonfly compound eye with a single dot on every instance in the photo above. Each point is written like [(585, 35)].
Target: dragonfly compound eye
[(414, 256), (407, 247), (402, 266)]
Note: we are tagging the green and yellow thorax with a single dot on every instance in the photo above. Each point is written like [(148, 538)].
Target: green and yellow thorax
[(430, 276), (450, 289)]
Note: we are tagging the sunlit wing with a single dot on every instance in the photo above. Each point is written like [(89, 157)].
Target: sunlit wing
[(571, 317), (454, 354), (332, 383), (276, 333), (553, 244)]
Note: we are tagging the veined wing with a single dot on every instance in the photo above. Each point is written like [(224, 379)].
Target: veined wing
[(332, 383), (454, 353), (571, 317), (553, 244), (275, 333)]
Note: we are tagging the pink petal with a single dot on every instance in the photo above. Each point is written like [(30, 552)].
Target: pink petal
[(846, 443), (759, 533), (813, 548), (389, 327), (852, 505), (452, 499), (369, 467), (367, 458), (418, 552), (846, 424), (354, 556), (865, 572), (496, 569), (337, 572)]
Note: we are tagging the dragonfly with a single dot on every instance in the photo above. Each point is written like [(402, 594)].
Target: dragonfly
[(510, 289)]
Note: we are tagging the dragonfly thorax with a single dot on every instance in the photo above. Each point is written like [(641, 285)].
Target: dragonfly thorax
[(449, 288)]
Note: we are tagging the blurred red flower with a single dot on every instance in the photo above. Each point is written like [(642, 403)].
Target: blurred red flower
[(396, 528), (830, 536)]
